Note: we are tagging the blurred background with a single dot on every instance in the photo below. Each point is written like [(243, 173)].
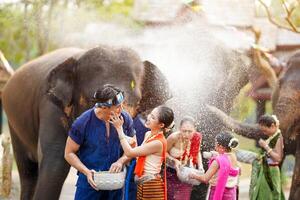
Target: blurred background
[(167, 32)]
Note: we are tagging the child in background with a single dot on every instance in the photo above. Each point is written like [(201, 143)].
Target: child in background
[(223, 171)]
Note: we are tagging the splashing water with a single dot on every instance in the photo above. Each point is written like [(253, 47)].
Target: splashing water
[(195, 56)]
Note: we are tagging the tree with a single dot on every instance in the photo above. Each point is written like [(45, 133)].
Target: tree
[(283, 13)]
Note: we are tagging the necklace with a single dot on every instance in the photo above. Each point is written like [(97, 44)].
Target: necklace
[(185, 153)]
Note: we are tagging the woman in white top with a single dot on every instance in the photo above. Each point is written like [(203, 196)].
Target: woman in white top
[(183, 150), (151, 153)]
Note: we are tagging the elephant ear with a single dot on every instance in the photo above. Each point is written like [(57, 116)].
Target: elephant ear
[(155, 88), (61, 83)]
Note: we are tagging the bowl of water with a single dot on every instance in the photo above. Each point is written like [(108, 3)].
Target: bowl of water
[(106, 180), (184, 172)]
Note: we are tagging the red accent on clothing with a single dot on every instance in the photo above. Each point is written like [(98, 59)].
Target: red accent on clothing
[(195, 148), (140, 164)]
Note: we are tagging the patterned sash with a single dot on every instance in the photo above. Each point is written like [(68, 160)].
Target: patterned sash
[(139, 168)]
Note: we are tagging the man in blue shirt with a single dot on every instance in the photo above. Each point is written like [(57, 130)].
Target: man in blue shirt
[(93, 143)]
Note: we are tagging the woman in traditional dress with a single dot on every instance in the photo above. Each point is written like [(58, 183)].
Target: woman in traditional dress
[(151, 154), (223, 171), (183, 150), (265, 177)]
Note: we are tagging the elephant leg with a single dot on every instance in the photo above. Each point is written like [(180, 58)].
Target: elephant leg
[(295, 190), (28, 169), (53, 168), (52, 174)]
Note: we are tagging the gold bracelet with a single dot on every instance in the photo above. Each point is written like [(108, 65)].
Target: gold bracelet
[(269, 151)]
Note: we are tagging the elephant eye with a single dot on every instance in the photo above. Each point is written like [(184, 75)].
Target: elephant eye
[(132, 84)]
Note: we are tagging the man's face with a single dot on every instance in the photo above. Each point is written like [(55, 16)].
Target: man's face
[(108, 111)]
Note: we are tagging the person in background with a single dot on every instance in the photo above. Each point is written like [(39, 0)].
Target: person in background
[(183, 150), (223, 170), (140, 128), (93, 143), (151, 153), (265, 176)]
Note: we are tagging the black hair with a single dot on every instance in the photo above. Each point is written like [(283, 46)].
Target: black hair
[(266, 120), (188, 119), (106, 93), (165, 116), (227, 140)]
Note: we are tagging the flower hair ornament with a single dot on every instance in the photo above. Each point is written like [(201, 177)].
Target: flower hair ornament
[(167, 129), (231, 141), (275, 119)]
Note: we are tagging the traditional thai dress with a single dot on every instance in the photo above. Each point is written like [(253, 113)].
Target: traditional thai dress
[(224, 183), (265, 176), (177, 189), (150, 184)]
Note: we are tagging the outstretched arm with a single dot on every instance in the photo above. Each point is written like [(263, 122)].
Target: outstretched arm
[(209, 173), (143, 150)]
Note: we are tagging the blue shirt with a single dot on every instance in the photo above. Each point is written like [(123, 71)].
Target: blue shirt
[(139, 125), (96, 151)]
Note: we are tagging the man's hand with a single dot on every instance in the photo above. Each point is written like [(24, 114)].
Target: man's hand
[(90, 178), (116, 167)]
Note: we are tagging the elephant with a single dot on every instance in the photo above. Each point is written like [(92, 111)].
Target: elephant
[(45, 96), (285, 103)]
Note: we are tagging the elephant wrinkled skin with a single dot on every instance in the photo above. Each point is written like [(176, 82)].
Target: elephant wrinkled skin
[(286, 106), (44, 96)]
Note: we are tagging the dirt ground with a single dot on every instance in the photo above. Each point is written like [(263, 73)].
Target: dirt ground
[(68, 189)]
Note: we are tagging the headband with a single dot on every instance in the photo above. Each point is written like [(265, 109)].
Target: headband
[(117, 100)]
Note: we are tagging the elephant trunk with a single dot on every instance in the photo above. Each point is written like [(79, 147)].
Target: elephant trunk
[(243, 129), (264, 66)]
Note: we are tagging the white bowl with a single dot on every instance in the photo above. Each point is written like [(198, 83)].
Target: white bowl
[(109, 181), (184, 172)]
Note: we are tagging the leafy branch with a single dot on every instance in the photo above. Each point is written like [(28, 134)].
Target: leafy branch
[(288, 18)]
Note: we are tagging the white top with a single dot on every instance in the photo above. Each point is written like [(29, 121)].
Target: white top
[(175, 152), (152, 163)]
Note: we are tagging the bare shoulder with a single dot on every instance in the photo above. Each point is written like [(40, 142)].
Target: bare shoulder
[(174, 135), (147, 134)]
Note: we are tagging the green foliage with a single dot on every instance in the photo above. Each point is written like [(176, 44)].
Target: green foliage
[(115, 10), (244, 106), (11, 34), (279, 10), (20, 44)]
